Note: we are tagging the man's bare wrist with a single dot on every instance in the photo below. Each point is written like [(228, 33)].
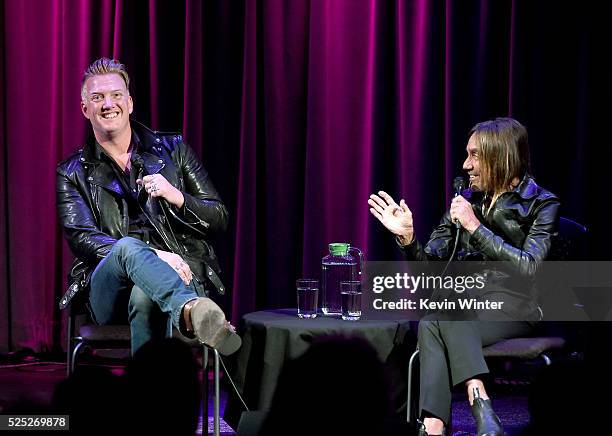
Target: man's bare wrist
[(176, 198), (405, 239), (179, 199), (472, 226)]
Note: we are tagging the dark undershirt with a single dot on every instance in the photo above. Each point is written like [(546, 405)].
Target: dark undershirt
[(139, 226)]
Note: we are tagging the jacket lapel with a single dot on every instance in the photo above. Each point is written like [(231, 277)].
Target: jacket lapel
[(97, 172), (153, 165)]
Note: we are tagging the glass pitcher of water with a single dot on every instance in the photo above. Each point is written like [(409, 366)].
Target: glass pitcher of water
[(342, 263)]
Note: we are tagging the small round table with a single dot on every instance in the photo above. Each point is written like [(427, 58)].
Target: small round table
[(272, 337)]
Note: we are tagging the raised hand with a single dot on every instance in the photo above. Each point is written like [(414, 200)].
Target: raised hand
[(396, 218)]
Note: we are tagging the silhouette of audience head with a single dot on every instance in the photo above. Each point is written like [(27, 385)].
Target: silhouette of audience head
[(566, 398), (94, 398), (338, 386), (164, 388), (158, 394)]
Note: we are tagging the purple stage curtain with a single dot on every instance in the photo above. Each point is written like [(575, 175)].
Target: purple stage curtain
[(47, 46), (299, 109)]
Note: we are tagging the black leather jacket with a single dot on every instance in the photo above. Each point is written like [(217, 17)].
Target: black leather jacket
[(94, 215), (518, 231)]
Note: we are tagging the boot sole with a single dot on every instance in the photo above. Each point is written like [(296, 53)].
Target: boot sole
[(211, 329)]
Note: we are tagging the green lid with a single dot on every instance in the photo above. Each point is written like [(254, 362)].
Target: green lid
[(339, 248)]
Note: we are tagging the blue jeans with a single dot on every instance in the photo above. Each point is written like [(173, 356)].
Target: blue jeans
[(132, 273)]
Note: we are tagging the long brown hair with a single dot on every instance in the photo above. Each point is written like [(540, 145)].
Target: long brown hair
[(504, 153)]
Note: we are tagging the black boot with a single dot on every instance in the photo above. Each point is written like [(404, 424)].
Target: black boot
[(487, 422), (423, 432)]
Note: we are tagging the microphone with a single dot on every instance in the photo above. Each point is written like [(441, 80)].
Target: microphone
[(459, 186), (138, 163)]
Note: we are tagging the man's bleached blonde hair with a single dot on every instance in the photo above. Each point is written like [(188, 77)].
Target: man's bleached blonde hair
[(104, 66)]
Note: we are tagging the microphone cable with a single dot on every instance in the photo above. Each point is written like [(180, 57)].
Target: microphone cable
[(164, 205), (453, 253), (162, 202), (138, 162), (458, 187), (233, 385)]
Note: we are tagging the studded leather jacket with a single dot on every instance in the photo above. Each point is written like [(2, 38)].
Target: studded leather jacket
[(516, 233), (94, 214)]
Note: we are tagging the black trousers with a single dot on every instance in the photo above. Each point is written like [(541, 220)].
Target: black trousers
[(450, 353)]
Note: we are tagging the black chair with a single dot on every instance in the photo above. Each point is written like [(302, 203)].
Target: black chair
[(569, 244), (82, 333)]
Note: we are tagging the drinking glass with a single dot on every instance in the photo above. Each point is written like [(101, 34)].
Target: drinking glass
[(307, 297), (350, 294)]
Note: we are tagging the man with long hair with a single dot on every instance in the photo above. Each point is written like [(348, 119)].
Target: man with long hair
[(510, 219)]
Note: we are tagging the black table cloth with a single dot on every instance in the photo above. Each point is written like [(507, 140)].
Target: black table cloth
[(272, 337)]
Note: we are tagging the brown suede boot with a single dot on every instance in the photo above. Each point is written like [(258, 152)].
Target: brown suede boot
[(210, 326)]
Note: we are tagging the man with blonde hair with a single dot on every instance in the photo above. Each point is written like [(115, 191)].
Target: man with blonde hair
[(137, 207)]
